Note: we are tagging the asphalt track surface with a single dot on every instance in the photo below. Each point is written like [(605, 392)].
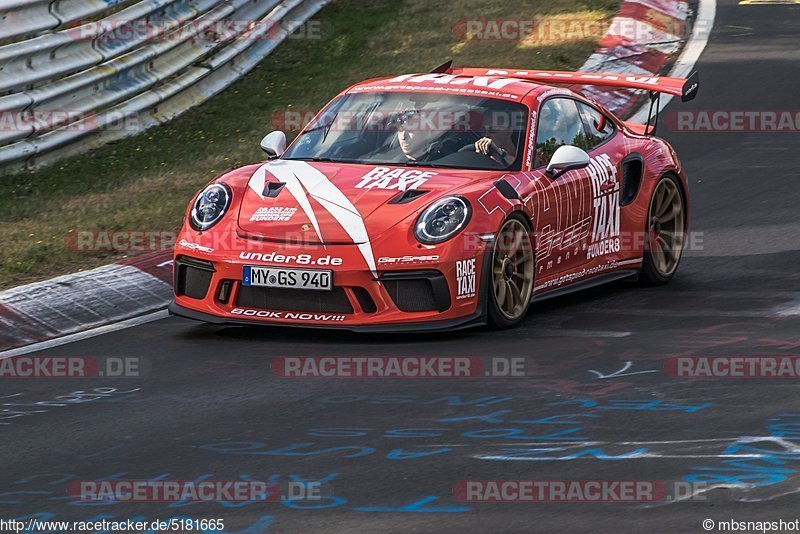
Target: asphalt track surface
[(210, 406)]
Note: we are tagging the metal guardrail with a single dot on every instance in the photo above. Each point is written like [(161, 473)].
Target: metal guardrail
[(73, 89), (26, 17)]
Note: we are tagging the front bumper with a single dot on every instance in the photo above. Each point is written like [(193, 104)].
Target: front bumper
[(430, 295), (475, 320)]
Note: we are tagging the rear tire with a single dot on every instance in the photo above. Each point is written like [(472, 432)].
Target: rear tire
[(510, 275), (666, 231)]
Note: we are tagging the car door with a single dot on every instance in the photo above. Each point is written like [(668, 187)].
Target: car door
[(606, 148), (561, 207)]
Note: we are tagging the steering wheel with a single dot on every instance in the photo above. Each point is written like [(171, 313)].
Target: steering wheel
[(492, 149)]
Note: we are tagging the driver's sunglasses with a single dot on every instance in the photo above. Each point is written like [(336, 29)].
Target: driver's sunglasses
[(402, 119)]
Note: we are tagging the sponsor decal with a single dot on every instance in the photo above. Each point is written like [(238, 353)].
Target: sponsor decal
[(605, 191), (553, 92), (465, 278), (399, 179), (568, 238), (408, 259), (303, 181), (439, 89), (576, 76), (583, 273), (451, 79), (194, 246), (531, 142), (273, 213), (299, 259), (295, 316)]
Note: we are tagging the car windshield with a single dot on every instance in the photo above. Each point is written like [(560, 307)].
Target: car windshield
[(416, 129)]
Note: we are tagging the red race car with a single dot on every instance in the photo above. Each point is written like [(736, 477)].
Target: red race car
[(438, 201)]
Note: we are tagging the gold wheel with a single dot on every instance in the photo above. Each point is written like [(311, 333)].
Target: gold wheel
[(666, 224), (512, 270)]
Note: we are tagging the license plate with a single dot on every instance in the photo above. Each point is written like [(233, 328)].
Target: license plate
[(288, 278)]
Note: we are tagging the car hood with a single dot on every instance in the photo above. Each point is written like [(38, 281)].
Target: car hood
[(335, 203)]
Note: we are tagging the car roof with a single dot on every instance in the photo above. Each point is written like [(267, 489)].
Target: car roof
[(489, 86)]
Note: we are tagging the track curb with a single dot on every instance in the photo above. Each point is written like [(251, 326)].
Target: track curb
[(80, 301)]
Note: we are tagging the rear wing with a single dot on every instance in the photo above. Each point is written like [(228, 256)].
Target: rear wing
[(686, 88)]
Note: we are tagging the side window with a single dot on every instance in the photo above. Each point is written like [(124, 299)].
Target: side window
[(597, 127), (559, 125)]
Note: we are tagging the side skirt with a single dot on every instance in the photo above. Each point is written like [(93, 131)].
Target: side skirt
[(587, 284)]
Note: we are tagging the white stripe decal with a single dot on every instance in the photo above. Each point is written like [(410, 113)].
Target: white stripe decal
[(301, 178), (285, 173), (258, 181), (332, 199)]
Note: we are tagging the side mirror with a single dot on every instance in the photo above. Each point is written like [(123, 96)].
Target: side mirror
[(274, 144), (567, 158)]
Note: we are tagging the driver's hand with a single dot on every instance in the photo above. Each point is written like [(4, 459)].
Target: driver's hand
[(483, 146)]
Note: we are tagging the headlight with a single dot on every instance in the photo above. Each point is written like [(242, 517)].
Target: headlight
[(210, 205), (442, 220)]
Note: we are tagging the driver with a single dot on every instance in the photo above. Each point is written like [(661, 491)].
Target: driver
[(421, 144), (417, 144), (497, 141)]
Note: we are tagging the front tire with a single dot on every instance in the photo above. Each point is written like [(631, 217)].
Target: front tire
[(511, 274), (666, 231)]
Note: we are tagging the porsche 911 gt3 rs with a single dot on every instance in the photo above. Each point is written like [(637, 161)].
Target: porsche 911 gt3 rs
[(438, 201)]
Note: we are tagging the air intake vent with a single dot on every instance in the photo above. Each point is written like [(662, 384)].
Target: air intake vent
[(407, 196), (417, 291), (294, 300), (506, 189), (224, 291), (365, 300), (632, 168), (192, 277), (273, 189)]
